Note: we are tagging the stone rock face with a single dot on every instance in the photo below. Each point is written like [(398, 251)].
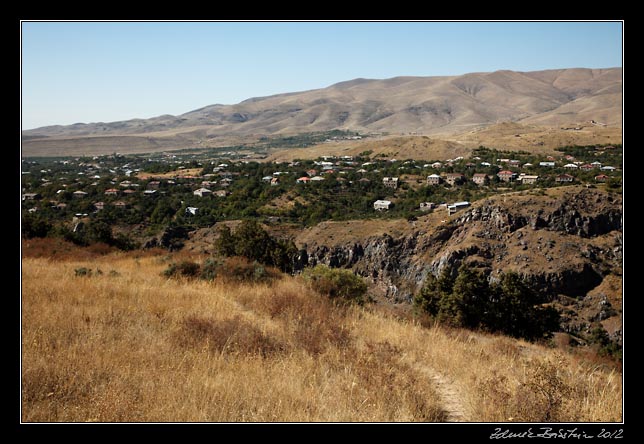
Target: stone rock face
[(558, 246)]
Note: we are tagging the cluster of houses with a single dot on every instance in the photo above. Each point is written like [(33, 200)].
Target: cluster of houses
[(121, 175), (129, 188)]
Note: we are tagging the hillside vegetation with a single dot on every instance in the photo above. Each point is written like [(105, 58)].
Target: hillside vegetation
[(112, 338)]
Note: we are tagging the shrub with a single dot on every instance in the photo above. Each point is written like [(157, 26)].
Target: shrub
[(240, 269), (209, 269), (83, 271), (184, 268), (540, 396), (336, 283)]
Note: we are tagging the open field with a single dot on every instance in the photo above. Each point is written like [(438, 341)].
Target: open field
[(508, 136), (131, 345)]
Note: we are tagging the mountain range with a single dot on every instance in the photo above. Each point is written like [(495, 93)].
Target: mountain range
[(399, 105)]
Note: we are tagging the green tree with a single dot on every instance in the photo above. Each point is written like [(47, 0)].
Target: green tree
[(253, 243), (34, 226), (515, 309), (98, 231), (467, 304), (225, 244)]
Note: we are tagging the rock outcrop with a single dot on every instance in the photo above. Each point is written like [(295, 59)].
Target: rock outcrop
[(562, 245)]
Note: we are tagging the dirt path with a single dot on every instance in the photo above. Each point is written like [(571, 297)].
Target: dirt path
[(448, 392)]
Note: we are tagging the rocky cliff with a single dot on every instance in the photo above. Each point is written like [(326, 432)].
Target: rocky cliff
[(564, 241)]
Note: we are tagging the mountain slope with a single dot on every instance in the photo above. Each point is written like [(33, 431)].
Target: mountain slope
[(426, 105)]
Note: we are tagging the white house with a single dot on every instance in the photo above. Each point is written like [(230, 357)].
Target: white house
[(381, 205), (528, 179), (547, 164), (433, 179), (202, 192), (571, 166)]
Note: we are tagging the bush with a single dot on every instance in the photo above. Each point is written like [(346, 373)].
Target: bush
[(209, 269), (336, 283), (235, 269), (239, 269), (184, 268), (83, 271)]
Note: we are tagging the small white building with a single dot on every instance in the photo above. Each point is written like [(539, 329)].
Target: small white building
[(528, 179), (390, 182), (453, 208), (547, 164), (571, 166), (202, 192), (433, 179), (191, 210), (381, 205), (427, 206)]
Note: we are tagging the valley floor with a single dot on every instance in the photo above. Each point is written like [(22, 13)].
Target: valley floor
[(126, 344)]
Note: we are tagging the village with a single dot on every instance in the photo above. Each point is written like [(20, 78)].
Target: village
[(185, 189)]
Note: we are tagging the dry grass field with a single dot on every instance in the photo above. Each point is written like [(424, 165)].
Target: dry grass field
[(128, 344)]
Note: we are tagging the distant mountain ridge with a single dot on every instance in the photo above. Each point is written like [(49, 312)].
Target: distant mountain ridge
[(424, 105)]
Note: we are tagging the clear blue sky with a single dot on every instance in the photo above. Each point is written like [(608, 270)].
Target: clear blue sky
[(107, 71)]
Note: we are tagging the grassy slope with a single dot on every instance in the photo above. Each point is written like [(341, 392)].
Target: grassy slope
[(130, 345)]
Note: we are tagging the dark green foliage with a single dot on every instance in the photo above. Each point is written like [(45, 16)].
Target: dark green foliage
[(35, 226), (508, 306), (607, 347), (98, 231), (434, 290), (336, 283), (225, 244), (514, 309), (252, 242)]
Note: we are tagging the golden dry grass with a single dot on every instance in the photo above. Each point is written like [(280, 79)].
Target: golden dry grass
[(131, 345)]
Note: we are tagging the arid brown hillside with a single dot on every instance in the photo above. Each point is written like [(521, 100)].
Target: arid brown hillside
[(111, 339), (400, 105)]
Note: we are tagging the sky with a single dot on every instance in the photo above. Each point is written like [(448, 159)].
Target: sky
[(108, 71)]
